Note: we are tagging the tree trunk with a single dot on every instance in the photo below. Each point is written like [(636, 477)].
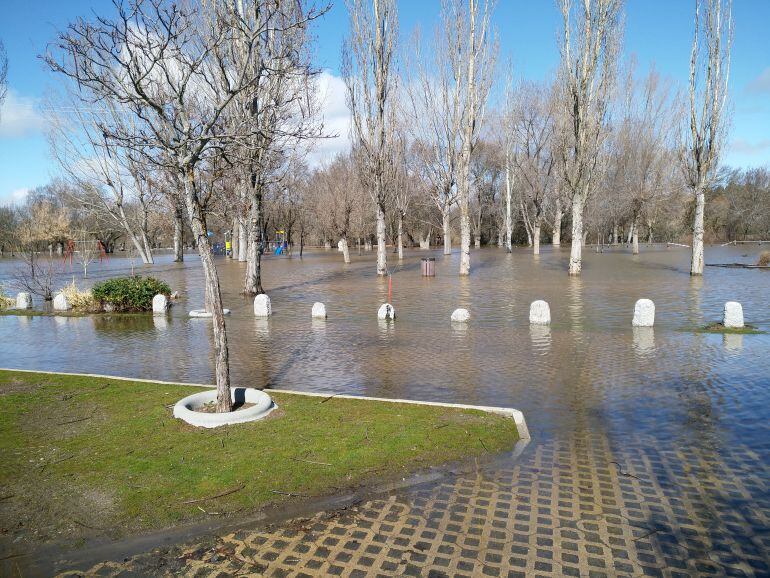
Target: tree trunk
[(243, 242), (400, 236), (696, 263), (447, 231), (649, 232), (556, 233), (235, 236), (345, 250), (576, 251), (508, 211), (635, 236), (465, 236), (536, 236), (253, 280), (221, 352), (614, 233), (382, 257), (179, 235)]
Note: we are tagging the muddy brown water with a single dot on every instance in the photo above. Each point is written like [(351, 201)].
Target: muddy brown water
[(704, 397)]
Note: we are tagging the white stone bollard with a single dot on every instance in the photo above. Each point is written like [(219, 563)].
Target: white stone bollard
[(262, 307), (319, 310), (386, 311), (644, 313), (160, 304), (24, 301), (733, 315), (539, 313), (60, 303), (461, 315)]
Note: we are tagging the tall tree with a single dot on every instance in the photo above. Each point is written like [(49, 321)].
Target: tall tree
[(588, 62), (368, 68), (3, 74), (704, 133), (177, 71), (473, 57)]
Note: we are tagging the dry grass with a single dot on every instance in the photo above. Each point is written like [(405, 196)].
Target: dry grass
[(764, 259), (6, 302), (79, 300)]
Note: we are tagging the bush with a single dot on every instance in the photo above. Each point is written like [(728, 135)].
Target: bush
[(6, 302), (764, 259), (129, 293), (79, 300)]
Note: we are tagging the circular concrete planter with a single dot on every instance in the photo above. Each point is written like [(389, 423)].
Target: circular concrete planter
[(203, 314), (185, 409)]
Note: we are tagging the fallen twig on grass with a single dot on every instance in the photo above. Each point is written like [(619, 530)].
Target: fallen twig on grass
[(310, 462), (78, 419), (225, 493), (483, 445), (8, 497), (209, 513), (328, 398), (64, 459), (289, 494)]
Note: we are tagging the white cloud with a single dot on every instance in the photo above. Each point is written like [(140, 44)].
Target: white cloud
[(745, 147), (20, 115), (336, 118), (15, 197)]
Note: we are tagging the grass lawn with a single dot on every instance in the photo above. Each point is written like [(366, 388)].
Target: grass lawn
[(83, 456), (719, 328)]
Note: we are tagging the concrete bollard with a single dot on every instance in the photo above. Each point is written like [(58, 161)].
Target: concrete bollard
[(733, 315), (644, 313), (262, 307), (60, 303), (460, 315), (386, 311), (24, 300), (160, 304), (539, 313), (319, 311)]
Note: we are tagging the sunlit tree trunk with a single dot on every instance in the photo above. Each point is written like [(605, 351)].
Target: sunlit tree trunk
[(179, 235), (382, 259), (214, 296), (243, 242), (635, 236), (556, 234), (253, 279), (447, 231), (345, 249), (400, 236), (536, 236), (696, 262), (576, 251)]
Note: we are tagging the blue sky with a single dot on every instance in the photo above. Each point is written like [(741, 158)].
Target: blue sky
[(657, 31)]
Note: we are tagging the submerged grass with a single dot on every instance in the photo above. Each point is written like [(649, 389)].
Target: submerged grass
[(719, 328), (80, 455)]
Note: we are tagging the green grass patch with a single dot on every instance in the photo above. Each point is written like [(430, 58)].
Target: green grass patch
[(82, 456), (717, 327)]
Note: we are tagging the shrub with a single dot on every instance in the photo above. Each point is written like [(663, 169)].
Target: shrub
[(764, 259), (129, 293), (80, 300), (6, 302)]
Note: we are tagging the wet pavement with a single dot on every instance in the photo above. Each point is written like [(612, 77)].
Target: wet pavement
[(650, 450)]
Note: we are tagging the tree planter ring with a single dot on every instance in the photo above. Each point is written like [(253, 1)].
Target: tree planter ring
[(202, 313), (186, 409)]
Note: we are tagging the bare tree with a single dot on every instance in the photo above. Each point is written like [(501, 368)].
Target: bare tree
[(704, 135), (367, 65), (177, 71), (473, 58), (535, 152), (588, 54)]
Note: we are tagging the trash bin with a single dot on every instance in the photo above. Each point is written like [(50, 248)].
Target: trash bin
[(428, 267)]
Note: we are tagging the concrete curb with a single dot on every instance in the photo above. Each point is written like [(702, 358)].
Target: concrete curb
[(516, 415), (186, 408)]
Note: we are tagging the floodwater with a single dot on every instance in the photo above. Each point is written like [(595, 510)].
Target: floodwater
[(685, 403)]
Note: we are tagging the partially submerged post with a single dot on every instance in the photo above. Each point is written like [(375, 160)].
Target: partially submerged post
[(262, 306), (428, 266), (386, 311), (539, 313), (644, 313), (460, 316), (319, 311), (160, 304), (733, 315), (24, 300)]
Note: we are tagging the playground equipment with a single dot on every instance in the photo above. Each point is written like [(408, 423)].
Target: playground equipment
[(280, 243)]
